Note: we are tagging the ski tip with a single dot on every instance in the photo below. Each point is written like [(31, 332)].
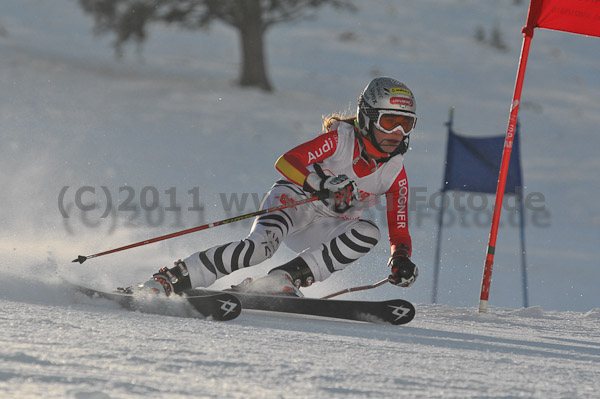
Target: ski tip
[(399, 312), (80, 259)]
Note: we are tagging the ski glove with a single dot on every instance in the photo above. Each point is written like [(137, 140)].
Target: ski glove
[(403, 271), (341, 188)]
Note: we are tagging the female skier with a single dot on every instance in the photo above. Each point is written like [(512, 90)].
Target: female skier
[(354, 162)]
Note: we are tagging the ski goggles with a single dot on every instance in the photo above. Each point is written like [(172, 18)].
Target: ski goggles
[(389, 122)]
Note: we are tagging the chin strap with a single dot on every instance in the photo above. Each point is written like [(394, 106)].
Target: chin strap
[(373, 150)]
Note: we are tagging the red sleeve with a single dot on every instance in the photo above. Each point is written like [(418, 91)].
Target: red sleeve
[(292, 165), (397, 214)]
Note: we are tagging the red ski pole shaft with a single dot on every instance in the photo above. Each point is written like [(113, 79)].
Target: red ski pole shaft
[(292, 204), (354, 289)]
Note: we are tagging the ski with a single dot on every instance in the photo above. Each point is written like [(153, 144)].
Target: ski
[(394, 311), (218, 305)]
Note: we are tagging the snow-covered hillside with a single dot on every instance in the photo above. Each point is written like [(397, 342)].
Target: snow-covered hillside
[(171, 124)]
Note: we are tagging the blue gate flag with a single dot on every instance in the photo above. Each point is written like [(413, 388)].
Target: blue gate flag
[(472, 163)]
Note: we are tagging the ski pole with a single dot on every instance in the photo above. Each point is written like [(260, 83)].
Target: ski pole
[(361, 288), (290, 204)]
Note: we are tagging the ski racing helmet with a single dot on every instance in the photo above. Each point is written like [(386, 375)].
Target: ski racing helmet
[(389, 105)]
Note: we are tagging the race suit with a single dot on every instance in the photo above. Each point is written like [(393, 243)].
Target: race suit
[(327, 241)]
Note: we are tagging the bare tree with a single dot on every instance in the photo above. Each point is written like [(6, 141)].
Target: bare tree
[(496, 39), (128, 20)]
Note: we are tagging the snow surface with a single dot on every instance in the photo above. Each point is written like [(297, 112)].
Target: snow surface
[(170, 118)]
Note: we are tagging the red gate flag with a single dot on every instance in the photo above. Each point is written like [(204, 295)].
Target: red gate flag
[(575, 16)]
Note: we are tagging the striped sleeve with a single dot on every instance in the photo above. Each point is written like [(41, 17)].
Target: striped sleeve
[(293, 164)]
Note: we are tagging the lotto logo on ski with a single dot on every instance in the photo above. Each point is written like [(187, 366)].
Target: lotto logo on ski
[(329, 145), (399, 311), (227, 306)]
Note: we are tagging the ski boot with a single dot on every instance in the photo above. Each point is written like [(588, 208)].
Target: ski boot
[(168, 281), (276, 283), (284, 280)]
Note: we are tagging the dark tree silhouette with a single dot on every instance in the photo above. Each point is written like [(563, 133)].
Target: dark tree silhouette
[(128, 21)]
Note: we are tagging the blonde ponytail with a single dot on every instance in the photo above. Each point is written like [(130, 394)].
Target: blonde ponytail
[(329, 120)]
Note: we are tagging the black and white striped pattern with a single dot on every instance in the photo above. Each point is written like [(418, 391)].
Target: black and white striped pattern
[(267, 234), (351, 240), (227, 258), (342, 250)]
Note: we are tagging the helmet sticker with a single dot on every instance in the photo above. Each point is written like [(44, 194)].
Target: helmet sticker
[(400, 90), (404, 101)]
